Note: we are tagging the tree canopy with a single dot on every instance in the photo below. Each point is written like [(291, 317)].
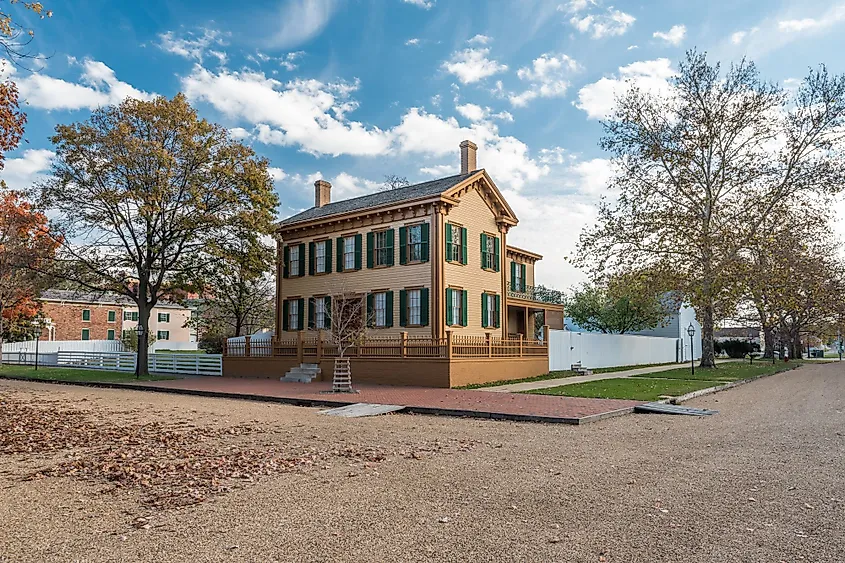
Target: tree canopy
[(618, 306)]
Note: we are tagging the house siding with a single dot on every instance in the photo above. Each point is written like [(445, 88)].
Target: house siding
[(475, 215), (390, 278), (178, 319), (66, 321)]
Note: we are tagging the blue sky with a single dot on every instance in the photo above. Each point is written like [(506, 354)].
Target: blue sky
[(351, 90)]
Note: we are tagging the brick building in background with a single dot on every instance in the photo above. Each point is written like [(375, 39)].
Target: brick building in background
[(76, 315)]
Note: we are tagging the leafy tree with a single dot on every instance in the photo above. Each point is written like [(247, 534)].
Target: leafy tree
[(25, 245), (392, 182), (701, 167), (145, 194), (617, 306), (129, 339)]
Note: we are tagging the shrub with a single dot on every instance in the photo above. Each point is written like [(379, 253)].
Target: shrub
[(736, 348)]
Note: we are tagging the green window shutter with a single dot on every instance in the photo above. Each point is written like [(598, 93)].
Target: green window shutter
[(312, 259), (86, 314), (286, 262), (301, 314), (484, 312), (391, 233), (424, 306), (483, 250), (285, 315), (328, 256), (111, 316), (497, 258), (302, 259), (464, 246), (448, 242), (339, 254), (86, 334), (370, 301), (464, 307), (357, 252), (513, 277), (388, 306), (327, 321), (424, 245), (497, 322), (312, 313), (403, 307), (449, 319), (110, 335), (370, 249), (403, 246), (522, 277)]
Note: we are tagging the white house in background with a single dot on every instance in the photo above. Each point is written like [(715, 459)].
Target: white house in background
[(168, 324)]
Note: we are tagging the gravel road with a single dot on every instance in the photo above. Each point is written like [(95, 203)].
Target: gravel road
[(764, 480)]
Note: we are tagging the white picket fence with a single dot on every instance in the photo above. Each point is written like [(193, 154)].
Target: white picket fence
[(597, 350), (57, 345), (178, 364)]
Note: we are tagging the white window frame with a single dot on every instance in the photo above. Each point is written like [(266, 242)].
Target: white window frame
[(349, 253), (491, 309), (414, 297), (456, 252), (82, 336), (113, 334), (165, 316), (166, 334), (517, 276), (380, 309), (457, 304), (320, 313), (293, 313), (379, 250), (415, 246), (320, 257), (490, 253), (293, 261)]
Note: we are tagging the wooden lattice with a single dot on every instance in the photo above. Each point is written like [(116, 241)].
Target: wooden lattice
[(342, 379)]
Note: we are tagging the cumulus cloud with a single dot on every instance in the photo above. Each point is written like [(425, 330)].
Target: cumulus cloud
[(674, 36), (22, 172), (599, 98), (479, 40), (412, 42), (473, 65), (547, 77), (193, 45), (301, 20), (587, 17), (98, 86), (424, 4)]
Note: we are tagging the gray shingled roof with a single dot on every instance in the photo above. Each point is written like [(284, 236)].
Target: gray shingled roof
[(379, 199), (102, 298)]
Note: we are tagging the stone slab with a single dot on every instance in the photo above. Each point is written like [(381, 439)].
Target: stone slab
[(362, 409)]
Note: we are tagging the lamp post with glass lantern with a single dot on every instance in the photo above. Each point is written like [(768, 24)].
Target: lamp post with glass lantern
[(691, 332), (37, 338)]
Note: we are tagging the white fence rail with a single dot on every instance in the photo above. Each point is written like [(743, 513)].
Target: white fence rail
[(65, 345), (178, 364), (596, 350)]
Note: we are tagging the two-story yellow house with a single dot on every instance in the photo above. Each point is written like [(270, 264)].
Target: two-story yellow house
[(427, 258)]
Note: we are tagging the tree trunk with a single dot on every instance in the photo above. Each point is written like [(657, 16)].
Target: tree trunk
[(768, 341), (797, 348), (708, 354), (1, 334), (142, 368)]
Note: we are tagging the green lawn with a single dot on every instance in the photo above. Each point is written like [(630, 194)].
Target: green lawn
[(639, 389), (626, 368), (550, 375), (726, 372), (73, 374)]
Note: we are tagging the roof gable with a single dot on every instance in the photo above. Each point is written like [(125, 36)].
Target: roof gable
[(491, 195)]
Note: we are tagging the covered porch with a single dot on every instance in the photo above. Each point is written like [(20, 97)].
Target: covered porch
[(528, 313)]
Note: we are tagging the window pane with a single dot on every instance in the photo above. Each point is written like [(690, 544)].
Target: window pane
[(380, 250), (380, 309), (321, 257), (320, 316), (293, 267), (457, 299), (414, 309), (415, 243), (349, 253)]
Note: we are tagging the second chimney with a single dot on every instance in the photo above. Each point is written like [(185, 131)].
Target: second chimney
[(468, 163), (322, 193)]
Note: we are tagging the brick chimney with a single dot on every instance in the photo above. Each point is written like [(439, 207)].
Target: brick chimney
[(468, 163), (322, 193)]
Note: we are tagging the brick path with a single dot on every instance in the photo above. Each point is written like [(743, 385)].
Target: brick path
[(541, 408)]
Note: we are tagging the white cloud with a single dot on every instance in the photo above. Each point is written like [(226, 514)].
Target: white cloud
[(239, 133), (440, 170), (632, 47), (22, 172), (289, 60), (98, 86), (277, 173), (301, 20), (598, 23), (479, 40), (472, 65), (599, 98), (192, 45), (547, 76), (674, 36), (791, 26), (474, 112), (738, 36), (412, 42), (424, 4)]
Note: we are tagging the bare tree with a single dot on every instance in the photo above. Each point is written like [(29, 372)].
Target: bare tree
[(348, 327), (392, 182)]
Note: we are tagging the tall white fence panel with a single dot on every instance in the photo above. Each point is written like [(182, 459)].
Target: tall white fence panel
[(65, 345), (187, 364), (112, 361), (176, 364), (596, 350)]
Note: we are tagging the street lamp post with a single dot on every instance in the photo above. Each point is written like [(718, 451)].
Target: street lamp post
[(37, 338), (691, 332)]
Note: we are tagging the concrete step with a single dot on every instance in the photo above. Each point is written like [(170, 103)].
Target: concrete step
[(304, 373)]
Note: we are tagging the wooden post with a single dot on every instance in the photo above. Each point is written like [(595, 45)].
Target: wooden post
[(525, 317), (449, 344), (319, 345), (546, 334), (403, 343), (299, 346), (520, 344), (246, 346), (489, 345)]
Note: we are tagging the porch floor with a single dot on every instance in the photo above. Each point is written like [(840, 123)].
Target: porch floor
[(422, 400)]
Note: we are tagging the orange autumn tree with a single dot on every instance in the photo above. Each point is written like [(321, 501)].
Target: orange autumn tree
[(25, 243)]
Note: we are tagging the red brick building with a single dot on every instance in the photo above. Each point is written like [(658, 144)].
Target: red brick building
[(73, 315)]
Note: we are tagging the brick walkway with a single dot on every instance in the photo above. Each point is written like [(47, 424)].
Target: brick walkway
[(455, 402)]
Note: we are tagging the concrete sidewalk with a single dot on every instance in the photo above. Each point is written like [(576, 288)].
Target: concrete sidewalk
[(547, 383)]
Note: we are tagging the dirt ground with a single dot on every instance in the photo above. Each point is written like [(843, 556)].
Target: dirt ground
[(764, 480)]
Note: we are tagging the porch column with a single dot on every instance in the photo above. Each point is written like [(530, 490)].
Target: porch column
[(503, 259), (525, 316), (438, 260)]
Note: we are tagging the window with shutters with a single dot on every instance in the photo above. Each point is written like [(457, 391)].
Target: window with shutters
[(293, 261), (320, 257), (517, 278), (130, 316), (320, 312), (489, 258), (163, 335), (349, 253), (380, 250), (457, 306), (112, 318), (86, 314), (110, 334), (455, 253), (491, 317), (380, 309), (415, 243), (293, 314), (86, 334), (414, 307), (164, 317)]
